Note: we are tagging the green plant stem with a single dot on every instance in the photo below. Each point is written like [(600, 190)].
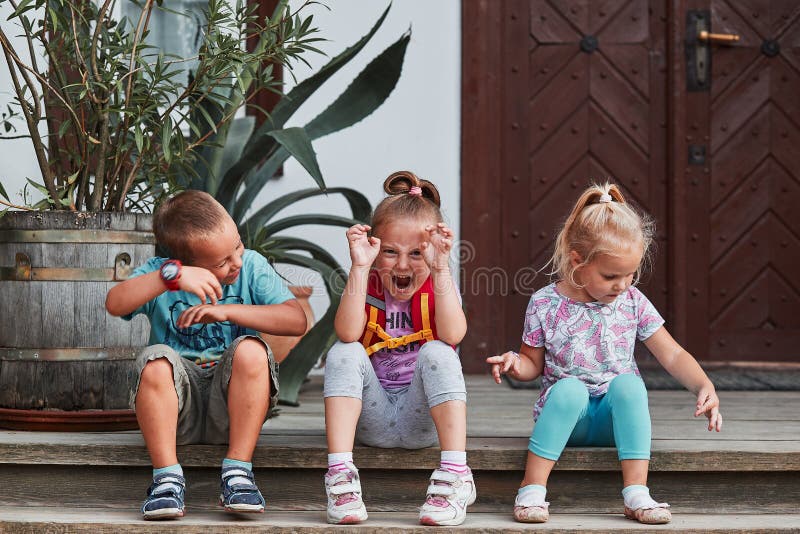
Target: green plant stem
[(128, 182), (56, 70), (29, 41), (101, 17), (10, 205), (121, 133), (99, 176)]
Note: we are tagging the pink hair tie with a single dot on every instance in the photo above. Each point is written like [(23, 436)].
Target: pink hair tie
[(415, 191)]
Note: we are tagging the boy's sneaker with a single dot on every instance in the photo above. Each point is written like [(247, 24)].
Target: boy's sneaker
[(165, 497), (449, 494), (239, 492), (343, 487)]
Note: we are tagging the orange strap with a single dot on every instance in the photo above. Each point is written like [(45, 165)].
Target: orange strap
[(391, 342), (373, 317)]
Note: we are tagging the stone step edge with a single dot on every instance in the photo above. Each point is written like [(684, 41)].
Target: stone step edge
[(60, 520), (479, 458)]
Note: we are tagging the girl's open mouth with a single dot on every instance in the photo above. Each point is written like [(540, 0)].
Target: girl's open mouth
[(401, 282)]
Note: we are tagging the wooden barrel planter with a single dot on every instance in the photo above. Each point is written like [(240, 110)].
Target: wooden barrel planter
[(65, 363)]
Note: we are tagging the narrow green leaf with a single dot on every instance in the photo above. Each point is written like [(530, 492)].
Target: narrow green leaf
[(138, 137), (359, 204), (3, 192), (297, 143), (21, 8), (282, 244), (38, 187), (365, 94), (62, 129), (166, 134), (314, 218)]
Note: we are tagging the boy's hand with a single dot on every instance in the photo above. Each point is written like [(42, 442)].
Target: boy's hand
[(437, 250), (203, 313), (363, 249), (708, 404), (507, 363), (200, 282)]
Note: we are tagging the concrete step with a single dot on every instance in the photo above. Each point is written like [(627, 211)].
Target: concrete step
[(53, 520), (752, 467), (584, 482)]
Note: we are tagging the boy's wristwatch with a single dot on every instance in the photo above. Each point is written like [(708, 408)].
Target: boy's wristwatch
[(170, 274)]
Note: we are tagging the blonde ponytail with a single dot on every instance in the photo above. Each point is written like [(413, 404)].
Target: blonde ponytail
[(601, 222)]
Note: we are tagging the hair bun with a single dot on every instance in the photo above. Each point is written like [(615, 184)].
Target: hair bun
[(401, 182)]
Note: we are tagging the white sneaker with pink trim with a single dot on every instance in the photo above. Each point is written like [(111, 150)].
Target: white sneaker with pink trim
[(343, 487), (449, 494)]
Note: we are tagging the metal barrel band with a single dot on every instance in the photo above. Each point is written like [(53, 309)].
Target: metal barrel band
[(68, 354), (23, 271), (77, 236)]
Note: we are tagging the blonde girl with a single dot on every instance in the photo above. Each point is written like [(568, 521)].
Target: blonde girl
[(394, 378), (579, 335)]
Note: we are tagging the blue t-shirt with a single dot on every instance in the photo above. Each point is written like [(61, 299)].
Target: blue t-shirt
[(257, 284)]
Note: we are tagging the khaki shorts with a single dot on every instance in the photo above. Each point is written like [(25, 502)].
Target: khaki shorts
[(203, 393)]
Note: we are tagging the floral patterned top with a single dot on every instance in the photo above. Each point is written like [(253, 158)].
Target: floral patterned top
[(590, 341)]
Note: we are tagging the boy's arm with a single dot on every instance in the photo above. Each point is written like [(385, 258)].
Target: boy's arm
[(351, 317), (125, 297), (284, 319)]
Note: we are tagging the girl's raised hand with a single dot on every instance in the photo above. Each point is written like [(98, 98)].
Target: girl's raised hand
[(363, 249), (507, 363), (437, 250), (708, 404)]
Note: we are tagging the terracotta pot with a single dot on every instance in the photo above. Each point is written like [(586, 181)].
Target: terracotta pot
[(281, 345)]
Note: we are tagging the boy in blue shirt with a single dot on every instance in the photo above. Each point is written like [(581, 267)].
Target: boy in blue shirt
[(206, 377)]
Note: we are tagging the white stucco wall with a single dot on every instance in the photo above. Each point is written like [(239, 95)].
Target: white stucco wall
[(416, 129)]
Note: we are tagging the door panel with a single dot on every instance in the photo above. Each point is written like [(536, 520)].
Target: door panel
[(749, 276), (584, 101)]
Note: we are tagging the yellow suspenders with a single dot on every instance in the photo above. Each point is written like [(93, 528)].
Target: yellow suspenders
[(373, 328)]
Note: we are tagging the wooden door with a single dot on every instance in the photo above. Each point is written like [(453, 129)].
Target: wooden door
[(558, 94), (743, 275)]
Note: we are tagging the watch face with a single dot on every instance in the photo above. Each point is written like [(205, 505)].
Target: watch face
[(169, 271)]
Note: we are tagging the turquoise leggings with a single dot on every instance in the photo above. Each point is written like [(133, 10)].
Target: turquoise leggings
[(570, 417)]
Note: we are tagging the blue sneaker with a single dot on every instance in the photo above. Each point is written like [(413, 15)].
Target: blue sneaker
[(239, 492), (165, 497)]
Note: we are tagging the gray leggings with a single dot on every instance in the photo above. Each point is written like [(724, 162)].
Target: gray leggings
[(399, 417)]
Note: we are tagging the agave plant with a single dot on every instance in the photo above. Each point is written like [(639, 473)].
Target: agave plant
[(244, 160)]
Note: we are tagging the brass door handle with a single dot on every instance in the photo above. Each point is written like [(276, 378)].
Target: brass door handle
[(722, 38)]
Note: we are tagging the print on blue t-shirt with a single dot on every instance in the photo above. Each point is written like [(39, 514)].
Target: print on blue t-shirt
[(257, 284)]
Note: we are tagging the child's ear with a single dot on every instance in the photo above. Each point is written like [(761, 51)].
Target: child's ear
[(575, 259)]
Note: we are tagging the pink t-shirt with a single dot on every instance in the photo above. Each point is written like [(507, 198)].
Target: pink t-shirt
[(395, 367), (590, 341)]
